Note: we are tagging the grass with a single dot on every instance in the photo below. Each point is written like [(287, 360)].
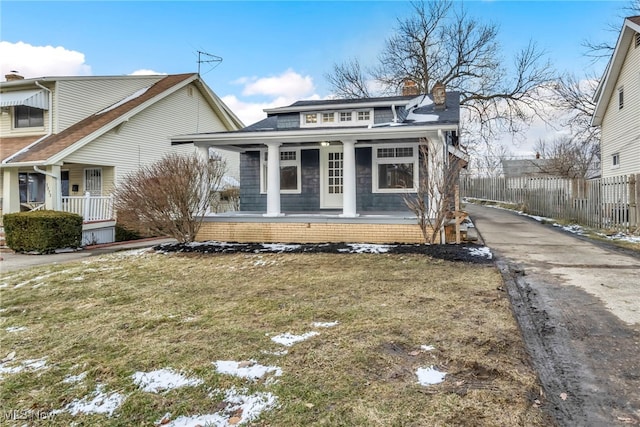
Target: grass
[(115, 315)]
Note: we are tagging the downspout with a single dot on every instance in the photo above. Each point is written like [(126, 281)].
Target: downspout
[(28, 147)]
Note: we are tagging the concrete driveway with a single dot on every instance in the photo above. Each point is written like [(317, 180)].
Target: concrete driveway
[(578, 305)]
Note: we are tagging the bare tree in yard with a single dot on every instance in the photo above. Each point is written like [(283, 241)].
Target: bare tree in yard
[(568, 157), (433, 202), (440, 42), (169, 197)]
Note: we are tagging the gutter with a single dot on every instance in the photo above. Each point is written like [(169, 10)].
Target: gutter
[(28, 147)]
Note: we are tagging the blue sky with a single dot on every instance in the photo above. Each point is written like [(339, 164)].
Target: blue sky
[(273, 52)]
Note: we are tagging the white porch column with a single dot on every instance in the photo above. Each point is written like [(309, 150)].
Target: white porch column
[(273, 179), (349, 179), (203, 152), (10, 191), (53, 188)]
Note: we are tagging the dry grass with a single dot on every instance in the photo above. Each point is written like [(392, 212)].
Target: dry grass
[(115, 315)]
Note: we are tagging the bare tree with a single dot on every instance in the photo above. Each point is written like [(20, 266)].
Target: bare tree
[(604, 49), (433, 202), (348, 80), (568, 157), (169, 197), (440, 42)]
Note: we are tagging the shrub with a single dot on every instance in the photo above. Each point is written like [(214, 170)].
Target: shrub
[(42, 231), (169, 197), (123, 234)]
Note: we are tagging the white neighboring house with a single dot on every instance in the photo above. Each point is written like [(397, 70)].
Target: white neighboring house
[(617, 109), (66, 142)]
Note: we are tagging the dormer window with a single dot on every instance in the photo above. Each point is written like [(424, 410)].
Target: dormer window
[(336, 118), (28, 117)]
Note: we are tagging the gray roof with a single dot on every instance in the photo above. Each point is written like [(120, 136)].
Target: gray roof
[(525, 167)]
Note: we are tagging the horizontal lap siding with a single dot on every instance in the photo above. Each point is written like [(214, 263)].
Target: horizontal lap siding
[(309, 233)]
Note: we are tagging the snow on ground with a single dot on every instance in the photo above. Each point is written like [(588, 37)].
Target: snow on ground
[(427, 347), (280, 247), (324, 324), (74, 379), (482, 251), (163, 380), (288, 339), (366, 248), (99, 403), (249, 369), (26, 365), (16, 328), (429, 376)]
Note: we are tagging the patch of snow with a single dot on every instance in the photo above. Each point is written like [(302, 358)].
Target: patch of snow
[(427, 347), (134, 95), (482, 251), (288, 339), (366, 248), (99, 403), (429, 376), (571, 228), (249, 406), (280, 247), (324, 324), (275, 353), (249, 369), (163, 380), (73, 379), (16, 328)]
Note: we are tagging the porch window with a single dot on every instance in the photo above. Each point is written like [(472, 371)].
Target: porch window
[(31, 186), (28, 117), (395, 169), (289, 171), (93, 181)]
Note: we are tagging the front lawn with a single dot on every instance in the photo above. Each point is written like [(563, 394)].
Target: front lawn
[(141, 338)]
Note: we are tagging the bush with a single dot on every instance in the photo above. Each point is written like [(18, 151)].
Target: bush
[(42, 231), (123, 234)]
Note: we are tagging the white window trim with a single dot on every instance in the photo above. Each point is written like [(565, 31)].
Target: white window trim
[(375, 161), (365, 122), (26, 129), (614, 164), (297, 163), (84, 179), (620, 92)]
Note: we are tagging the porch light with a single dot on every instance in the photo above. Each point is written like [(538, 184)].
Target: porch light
[(325, 143)]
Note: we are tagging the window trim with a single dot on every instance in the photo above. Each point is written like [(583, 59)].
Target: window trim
[(337, 114), (84, 180), (620, 97), (615, 161), (297, 163), (375, 161)]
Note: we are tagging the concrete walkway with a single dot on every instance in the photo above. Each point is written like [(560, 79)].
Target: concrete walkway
[(12, 261), (578, 306)]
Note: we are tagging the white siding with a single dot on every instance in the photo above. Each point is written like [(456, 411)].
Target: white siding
[(145, 137), (621, 127), (78, 99), (6, 119)]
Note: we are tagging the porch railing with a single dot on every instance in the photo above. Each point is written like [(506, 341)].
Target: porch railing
[(91, 208)]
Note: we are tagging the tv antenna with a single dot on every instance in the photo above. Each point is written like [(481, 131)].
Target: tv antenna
[(207, 58)]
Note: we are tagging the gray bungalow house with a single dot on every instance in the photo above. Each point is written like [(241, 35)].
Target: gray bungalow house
[(333, 170)]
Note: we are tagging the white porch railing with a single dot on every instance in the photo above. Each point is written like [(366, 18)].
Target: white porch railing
[(91, 208)]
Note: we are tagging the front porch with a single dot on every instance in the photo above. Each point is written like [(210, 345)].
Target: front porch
[(313, 227)]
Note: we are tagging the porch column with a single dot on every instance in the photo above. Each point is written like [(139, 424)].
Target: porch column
[(203, 152), (10, 191), (349, 179), (53, 188), (273, 179)]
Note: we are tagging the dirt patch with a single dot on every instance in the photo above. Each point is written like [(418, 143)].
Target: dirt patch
[(586, 358)]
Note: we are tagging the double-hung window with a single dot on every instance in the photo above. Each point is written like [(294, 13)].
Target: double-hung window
[(290, 171), (395, 169)]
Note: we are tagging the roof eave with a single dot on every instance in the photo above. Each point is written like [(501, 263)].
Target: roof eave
[(338, 106)]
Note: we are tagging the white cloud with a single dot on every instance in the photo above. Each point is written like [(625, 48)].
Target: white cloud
[(288, 84), (41, 61), (274, 91), (147, 72)]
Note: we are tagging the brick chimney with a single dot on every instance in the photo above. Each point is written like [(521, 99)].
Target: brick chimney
[(13, 75), (439, 95), (410, 88)]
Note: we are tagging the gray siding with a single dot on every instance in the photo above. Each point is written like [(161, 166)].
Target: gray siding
[(289, 121), (309, 199)]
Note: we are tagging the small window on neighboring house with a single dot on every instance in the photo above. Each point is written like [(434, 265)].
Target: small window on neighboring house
[(615, 160), (620, 98), (28, 117), (290, 171)]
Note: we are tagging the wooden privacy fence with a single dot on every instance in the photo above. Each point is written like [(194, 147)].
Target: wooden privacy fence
[(605, 203)]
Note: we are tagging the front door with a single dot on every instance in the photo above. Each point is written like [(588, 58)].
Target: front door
[(331, 161)]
